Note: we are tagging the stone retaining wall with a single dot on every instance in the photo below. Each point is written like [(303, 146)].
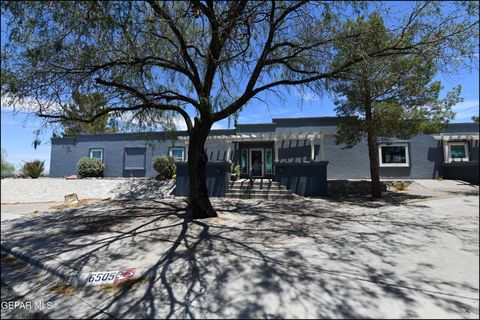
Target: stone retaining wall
[(358, 187)]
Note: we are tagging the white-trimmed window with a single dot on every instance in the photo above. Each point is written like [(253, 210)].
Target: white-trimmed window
[(96, 153), (457, 151), (393, 155), (178, 153)]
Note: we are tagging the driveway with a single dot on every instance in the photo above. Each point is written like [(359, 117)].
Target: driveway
[(412, 255)]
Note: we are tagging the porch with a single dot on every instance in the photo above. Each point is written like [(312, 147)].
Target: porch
[(302, 179), (259, 154)]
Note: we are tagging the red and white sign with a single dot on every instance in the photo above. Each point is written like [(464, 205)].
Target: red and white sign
[(110, 277), (124, 275)]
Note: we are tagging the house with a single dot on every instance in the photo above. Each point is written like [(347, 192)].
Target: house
[(296, 147)]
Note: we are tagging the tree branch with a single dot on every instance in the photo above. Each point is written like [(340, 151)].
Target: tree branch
[(148, 103), (184, 48)]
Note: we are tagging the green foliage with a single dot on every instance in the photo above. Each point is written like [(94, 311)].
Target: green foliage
[(401, 186), (387, 97), (33, 169), (165, 166), (476, 119), (85, 106), (90, 167), (7, 168), (235, 169)]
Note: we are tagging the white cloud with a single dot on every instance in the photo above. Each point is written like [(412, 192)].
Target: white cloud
[(307, 96), (180, 123), (219, 125), (28, 105), (466, 109)]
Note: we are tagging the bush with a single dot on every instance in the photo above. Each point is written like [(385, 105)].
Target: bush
[(7, 168), (33, 169), (235, 169), (90, 167), (165, 166)]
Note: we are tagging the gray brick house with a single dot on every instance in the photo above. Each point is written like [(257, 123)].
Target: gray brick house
[(261, 149)]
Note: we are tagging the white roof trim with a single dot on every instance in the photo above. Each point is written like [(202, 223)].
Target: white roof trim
[(265, 137), (456, 136)]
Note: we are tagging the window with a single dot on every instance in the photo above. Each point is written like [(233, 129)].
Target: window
[(96, 154), (244, 161), (268, 161), (134, 158), (393, 155), (457, 151), (177, 153)]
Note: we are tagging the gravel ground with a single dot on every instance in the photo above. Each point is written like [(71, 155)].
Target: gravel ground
[(54, 189), (408, 256), (412, 255)]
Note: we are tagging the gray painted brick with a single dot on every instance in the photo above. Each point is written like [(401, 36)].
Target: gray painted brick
[(426, 154)]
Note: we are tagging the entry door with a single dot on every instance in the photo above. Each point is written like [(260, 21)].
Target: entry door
[(256, 162)]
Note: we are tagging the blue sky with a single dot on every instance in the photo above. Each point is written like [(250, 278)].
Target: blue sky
[(17, 130)]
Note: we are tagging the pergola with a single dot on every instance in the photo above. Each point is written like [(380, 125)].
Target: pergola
[(446, 137), (275, 137), (456, 136)]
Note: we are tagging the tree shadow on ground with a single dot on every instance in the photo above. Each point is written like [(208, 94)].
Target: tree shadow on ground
[(136, 189), (388, 198), (310, 258)]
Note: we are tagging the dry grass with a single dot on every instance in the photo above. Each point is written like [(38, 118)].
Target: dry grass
[(63, 288), (11, 261), (402, 186), (125, 285), (70, 205)]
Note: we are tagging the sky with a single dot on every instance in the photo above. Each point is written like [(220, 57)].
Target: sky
[(17, 130)]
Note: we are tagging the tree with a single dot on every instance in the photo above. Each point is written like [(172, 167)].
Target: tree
[(203, 60), (386, 97), (86, 106), (7, 168), (476, 119)]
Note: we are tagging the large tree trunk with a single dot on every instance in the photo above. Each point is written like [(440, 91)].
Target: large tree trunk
[(371, 138), (199, 205), (374, 165)]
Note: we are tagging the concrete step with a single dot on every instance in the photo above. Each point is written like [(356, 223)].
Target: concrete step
[(256, 185), (259, 191), (290, 196)]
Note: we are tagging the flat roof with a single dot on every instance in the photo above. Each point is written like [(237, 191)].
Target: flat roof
[(276, 122)]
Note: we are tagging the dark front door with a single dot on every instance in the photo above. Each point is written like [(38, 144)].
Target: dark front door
[(256, 162)]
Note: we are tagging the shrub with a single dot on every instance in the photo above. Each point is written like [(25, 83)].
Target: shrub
[(400, 186), (165, 166), (7, 168), (235, 169), (33, 169), (90, 167)]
